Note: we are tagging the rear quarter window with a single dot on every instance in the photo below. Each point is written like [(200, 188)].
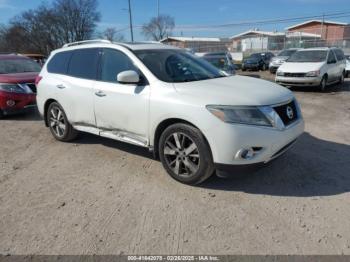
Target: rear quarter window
[(58, 64), (83, 63)]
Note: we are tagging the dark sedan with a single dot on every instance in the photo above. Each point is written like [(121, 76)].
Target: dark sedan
[(257, 61)]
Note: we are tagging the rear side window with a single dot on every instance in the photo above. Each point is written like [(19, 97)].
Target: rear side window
[(83, 63), (339, 54), (112, 63), (59, 63)]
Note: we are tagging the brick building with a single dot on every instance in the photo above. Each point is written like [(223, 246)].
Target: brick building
[(332, 33)]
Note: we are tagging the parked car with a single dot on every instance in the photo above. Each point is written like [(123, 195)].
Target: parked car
[(222, 60), (17, 83), (39, 58), (257, 61), (278, 60), (193, 116), (347, 68), (313, 67)]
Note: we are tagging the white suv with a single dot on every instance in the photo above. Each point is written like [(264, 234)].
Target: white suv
[(190, 114), (313, 67)]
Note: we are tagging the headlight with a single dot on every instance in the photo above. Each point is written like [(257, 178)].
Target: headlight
[(248, 115), (13, 88), (280, 73), (313, 73)]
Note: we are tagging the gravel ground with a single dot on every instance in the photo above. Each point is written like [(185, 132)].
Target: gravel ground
[(98, 196)]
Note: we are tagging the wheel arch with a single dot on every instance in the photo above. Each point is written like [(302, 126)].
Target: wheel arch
[(166, 123), (46, 107)]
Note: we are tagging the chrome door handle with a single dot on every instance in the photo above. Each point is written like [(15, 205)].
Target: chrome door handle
[(61, 86), (100, 94)]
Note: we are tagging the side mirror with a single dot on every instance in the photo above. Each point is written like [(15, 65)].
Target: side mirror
[(128, 77)]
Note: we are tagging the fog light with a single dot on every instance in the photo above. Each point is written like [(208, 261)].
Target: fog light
[(245, 153), (10, 103)]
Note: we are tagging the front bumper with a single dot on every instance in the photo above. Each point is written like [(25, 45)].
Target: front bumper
[(11, 103), (227, 140), (250, 66), (298, 81)]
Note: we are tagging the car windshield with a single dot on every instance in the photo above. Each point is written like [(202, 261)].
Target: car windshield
[(13, 66), (287, 52), (174, 66), (308, 56), (219, 62), (255, 56)]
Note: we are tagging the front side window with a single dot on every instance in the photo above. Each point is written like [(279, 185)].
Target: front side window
[(14, 66), (83, 63), (112, 63), (331, 57), (175, 66), (308, 56)]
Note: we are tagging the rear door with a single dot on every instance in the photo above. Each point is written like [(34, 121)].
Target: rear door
[(77, 88)]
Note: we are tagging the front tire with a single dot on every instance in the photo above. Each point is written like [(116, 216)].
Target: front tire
[(185, 154), (59, 126), (323, 84), (342, 78)]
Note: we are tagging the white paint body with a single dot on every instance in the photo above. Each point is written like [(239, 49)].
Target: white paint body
[(333, 71), (132, 113)]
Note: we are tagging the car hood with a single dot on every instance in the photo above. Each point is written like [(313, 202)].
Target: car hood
[(291, 67), (282, 58), (18, 77), (233, 90)]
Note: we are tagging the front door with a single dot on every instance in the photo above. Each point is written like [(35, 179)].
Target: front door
[(121, 110)]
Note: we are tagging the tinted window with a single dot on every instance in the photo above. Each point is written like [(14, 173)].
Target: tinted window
[(339, 54), (13, 66), (83, 63), (59, 63), (112, 63), (177, 66), (331, 57), (312, 56), (287, 52)]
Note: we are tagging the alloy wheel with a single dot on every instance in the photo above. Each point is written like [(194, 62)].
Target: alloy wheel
[(57, 121), (181, 154)]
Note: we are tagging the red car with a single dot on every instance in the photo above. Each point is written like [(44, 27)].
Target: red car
[(17, 83)]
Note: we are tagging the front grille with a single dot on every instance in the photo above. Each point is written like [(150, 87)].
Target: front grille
[(32, 87), (287, 112), (294, 74)]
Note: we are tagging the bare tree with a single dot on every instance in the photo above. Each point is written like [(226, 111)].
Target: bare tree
[(111, 34), (158, 27), (50, 26), (78, 18)]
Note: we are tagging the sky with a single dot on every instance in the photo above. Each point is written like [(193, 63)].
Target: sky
[(189, 14)]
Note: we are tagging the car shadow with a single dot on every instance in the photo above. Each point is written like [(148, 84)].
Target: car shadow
[(334, 88), (313, 167), (29, 115)]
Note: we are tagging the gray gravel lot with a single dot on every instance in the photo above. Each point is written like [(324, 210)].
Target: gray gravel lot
[(98, 196)]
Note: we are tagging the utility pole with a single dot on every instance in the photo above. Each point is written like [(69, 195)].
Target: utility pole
[(130, 23), (158, 9), (322, 25)]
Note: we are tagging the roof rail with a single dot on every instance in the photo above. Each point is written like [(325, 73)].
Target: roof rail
[(87, 42)]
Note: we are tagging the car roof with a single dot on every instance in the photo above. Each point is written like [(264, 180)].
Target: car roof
[(105, 43), (317, 49)]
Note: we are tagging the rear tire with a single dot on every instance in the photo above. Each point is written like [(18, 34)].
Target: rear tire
[(1, 114), (323, 84), (185, 154), (59, 126)]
